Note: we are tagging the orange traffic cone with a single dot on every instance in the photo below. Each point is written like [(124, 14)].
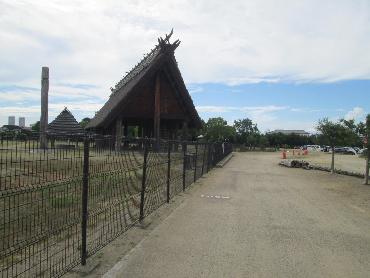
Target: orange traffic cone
[(284, 154)]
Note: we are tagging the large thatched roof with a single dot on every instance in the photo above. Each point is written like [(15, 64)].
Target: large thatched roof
[(160, 58)]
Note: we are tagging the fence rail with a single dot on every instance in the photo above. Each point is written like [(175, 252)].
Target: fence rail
[(60, 205)]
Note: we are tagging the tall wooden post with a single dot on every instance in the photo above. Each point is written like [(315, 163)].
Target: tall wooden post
[(44, 107), (140, 131), (118, 133), (157, 109), (185, 130), (125, 134)]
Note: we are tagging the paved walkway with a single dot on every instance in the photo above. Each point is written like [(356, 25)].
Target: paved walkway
[(253, 218)]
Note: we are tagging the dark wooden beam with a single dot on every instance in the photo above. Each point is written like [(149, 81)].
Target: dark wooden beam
[(185, 130), (118, 133), (157, 107)]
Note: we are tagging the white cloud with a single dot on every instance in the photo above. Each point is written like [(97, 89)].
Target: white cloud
[(234, 42), (96, 42), (355, 114)]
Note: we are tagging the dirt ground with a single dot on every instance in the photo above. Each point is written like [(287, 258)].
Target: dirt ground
[(352, 163)]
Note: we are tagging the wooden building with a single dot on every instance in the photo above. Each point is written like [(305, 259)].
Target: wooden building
[(152, 97), (65, 124)]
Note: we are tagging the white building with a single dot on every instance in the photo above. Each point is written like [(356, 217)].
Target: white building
[(22, 121), (291, 131), (11, 120)]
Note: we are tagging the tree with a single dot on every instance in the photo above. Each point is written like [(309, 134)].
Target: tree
[(246, 132), (36, 127), (334, 133), (217, 130), (263, 142), (355, 132), (84, 122)]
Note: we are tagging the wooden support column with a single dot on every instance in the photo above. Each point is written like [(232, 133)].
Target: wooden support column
[(125, 130), (44, 107), (157, 108), (118, 133), (125, 133), (140, 131), (185, 130)]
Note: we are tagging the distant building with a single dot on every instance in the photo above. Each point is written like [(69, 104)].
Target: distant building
[(65, 124), (22, 121), (11, 120), (290, 131)]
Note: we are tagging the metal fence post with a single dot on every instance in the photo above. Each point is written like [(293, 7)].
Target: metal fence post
[(196, 160), (85, 191), (168, 170), (142, 195), (209, 156), (184, 166), (204, 157)]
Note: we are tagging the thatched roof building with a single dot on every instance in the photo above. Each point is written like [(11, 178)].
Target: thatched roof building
[(152, 96), (65, 124)]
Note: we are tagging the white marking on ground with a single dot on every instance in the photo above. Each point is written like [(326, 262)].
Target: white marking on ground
[(214, 196)]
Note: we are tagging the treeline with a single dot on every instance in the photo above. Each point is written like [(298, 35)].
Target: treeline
[(246, 133)]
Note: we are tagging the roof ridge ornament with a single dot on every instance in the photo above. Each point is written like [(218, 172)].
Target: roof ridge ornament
[(146, 60)]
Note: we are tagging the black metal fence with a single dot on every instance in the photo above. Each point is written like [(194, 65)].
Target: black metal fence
[(58, 206)]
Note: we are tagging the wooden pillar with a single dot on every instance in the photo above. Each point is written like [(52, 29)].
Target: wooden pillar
[(125, 133), (125, 130), (118, 133), (175, 137), (140, 131), (157, 108), (44, 107), (185, 130)]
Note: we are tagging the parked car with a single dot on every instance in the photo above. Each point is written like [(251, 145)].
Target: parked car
[(345, 150), (311, 147), (361, 151), (325, 148), (357, 149)]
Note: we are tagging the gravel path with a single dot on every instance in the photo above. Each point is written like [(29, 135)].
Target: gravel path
[(253, 218)]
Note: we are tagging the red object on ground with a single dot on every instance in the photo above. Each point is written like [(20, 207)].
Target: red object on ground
[(305, 152), (284, 154)]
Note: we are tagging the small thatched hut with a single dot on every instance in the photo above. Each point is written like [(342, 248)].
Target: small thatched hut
[(65, 124)]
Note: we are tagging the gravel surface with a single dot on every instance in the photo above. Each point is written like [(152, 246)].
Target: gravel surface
[(352, 163), (253, 218)]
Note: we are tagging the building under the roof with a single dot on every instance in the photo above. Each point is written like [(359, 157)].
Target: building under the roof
[(65, 124), (152, 96)]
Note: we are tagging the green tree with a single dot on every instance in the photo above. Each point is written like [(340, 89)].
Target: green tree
[(217, 130), (36, 127), (355, 132), (263, 141), (84, 122), (246, 132), (334, 134)]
